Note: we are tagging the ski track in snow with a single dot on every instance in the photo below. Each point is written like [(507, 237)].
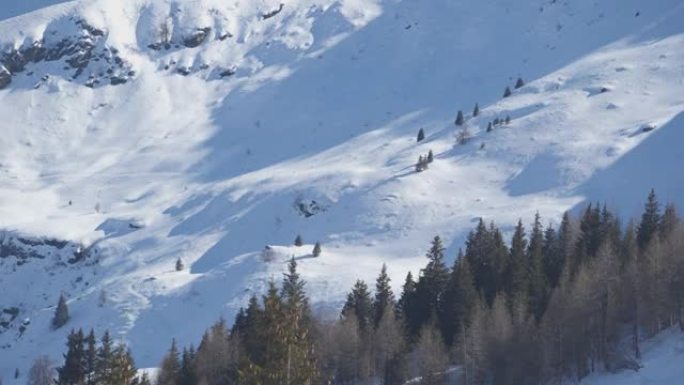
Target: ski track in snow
[(324, 106)]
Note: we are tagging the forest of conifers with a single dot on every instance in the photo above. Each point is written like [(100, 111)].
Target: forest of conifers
[(554, 304)]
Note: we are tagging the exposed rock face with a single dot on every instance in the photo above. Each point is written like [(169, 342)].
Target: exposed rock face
[(197, 38), (83, 52), (23, 249), (5, 77)]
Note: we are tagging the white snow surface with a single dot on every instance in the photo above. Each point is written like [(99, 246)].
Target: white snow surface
[(324, 106)]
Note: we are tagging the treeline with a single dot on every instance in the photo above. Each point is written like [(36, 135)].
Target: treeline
[(554, 304)]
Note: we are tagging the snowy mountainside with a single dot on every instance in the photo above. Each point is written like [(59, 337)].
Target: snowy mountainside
[(227, 126)]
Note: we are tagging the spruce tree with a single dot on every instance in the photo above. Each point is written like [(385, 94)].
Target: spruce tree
[(360, 305), (299, 241), (517, 291), (179, 265), (61, 316), (169, 370), (73, 371), (421, 135), (476, 110), (507, 92), (650, 221), (384, 298), (507, 121), (459, 298), (430, 157), (460, 120), (104, 362), (489, 127), (519, 83), (536, 278), (669, 221), (406, 303), (123, 366), (90, 364), (317, 249)]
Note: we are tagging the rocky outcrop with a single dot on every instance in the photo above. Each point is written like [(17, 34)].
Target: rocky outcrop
[(5, 77), (85, 51), (197, 38)]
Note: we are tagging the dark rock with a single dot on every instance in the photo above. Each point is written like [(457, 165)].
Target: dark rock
[(5, 77), (185, 71), (117, 80), (273, 13), (228, 72), (197, 38)]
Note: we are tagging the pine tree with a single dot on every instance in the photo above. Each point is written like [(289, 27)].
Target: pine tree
[(61, 316), (72, 372), (430, 157), (104, 362), (518, 271), (123, 366), (519, 83), (476, 110), (187, 374), (169, 370), (650, 221), (90, 364), (406, 303), (299, 241), (536, 279), (459, 298), (460, 120), (507, 92), (669, 221), (421, 135), (508, 120), (384, 298), (317, 249), (359, 304), (489, 127), (179, 265)]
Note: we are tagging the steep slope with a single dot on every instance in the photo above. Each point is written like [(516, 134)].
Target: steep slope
[(152, 130)]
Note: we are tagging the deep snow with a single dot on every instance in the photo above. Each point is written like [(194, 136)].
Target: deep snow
[(324, 106)]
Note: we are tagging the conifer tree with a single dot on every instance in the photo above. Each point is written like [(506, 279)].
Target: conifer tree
[(518, 271), (489, 127), (507, 92), (123, 366), (179, 265), (460, 120), (536, 278), (421, 135), (104, 362), (650, 221), (507, 121), (459, 298), (299, 241), (72, 372), (317, 249), (359, 304), (61, 316), (476, 110), (187, 374), (406, 303), (384, 298), (519, 83), (169, 370), (90, 363), (430, 157), (669, 221)]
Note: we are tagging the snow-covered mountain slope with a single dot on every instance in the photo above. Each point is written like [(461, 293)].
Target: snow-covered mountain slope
[(144, 131)]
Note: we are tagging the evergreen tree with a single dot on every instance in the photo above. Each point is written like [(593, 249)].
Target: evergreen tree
[(90, 363), (519, 84), (553, 257), (536, 278), (359, 304), (459, 298), (299, 241), (430, 157), (489, 127), (179, 265), (650, 221), (518, 271), (72, 372), (507, 92), (187, 374), (123, 366), (104, 362), (460, 120), (406, 304), (169, 370), (317, 249), (507, 121), (61, 316), (476, 110), (384, 298), (421, 135), (669, 221)]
